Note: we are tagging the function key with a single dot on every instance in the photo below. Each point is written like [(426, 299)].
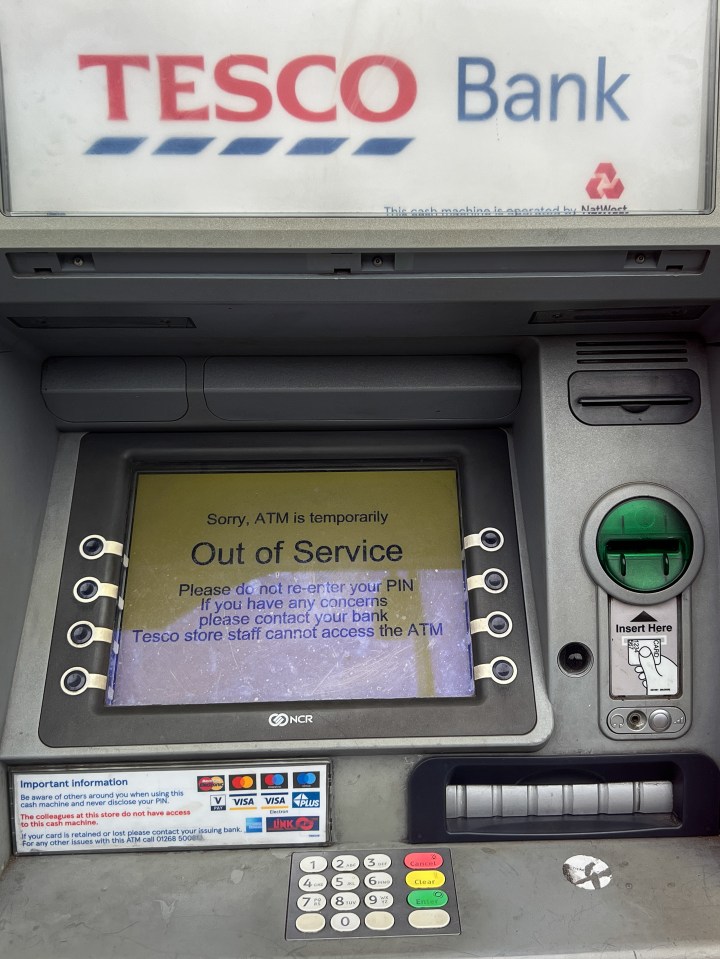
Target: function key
[(377, 861), (379, 900), (345, 922), (427, 899), (312, 883), (312, 902), (313, 864), (345, 863), (379, 921), (423, 860), (429, 919), (310, 922), (343, 901), (379, 880), (345, 880), (425, 879)]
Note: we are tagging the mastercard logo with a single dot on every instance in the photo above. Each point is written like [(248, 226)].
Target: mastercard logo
[(210, 784), (242, 781)]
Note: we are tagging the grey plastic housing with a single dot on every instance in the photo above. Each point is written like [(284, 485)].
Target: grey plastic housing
[(111, 389)]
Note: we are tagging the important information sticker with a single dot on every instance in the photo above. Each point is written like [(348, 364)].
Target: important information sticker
[(293, 586), (91, 809)]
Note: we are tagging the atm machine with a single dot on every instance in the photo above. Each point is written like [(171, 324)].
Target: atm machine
[(359, 389)]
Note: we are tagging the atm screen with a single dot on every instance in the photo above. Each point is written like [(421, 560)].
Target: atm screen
[(264, 587)]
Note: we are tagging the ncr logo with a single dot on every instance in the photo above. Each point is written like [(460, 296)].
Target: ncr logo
[(289, 719)]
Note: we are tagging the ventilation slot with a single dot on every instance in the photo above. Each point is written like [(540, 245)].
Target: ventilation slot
[(640, 353)]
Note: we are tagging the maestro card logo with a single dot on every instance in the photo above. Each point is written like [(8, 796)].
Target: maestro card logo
[(210, 784), (306, 800), (244, 88), (273, 782)]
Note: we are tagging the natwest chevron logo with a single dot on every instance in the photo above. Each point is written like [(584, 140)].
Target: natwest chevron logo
[(605, 184)]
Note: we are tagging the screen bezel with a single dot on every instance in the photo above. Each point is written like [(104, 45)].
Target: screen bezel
[(107, 467)]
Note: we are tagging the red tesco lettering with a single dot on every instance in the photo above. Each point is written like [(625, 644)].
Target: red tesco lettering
[(177, 78)]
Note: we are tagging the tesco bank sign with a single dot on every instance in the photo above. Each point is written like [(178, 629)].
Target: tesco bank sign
[(368, 107)]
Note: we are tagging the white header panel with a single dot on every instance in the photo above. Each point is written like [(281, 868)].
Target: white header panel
[(388, 108)]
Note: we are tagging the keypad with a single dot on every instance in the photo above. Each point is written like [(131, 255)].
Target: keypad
[(371, 893)]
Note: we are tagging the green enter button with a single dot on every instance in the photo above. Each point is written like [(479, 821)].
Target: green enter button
[(427, 898), (645, 544)]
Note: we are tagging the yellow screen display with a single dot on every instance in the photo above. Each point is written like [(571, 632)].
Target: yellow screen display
[(293, 586)]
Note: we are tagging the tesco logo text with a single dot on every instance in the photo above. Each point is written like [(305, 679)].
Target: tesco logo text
[(248, 79)]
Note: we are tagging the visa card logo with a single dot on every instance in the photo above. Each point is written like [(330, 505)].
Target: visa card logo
[(306, 800)]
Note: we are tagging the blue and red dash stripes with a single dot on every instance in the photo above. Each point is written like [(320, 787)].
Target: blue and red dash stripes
[(248, 146)]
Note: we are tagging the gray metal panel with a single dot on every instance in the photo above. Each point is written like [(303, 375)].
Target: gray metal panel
[(663, 903)]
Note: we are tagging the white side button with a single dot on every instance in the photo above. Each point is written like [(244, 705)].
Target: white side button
[(310, 922), (380, 921), (429, 919)]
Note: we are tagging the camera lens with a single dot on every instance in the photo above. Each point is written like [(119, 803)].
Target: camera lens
[(74, 681), (86, 589), (498, 623), (575, 659), (81, 633), (93, 546), (503, 670)]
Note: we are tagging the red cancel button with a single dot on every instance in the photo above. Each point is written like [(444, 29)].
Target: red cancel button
[(423, 860)]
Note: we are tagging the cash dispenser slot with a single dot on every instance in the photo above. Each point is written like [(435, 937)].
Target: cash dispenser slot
[(471, 799)]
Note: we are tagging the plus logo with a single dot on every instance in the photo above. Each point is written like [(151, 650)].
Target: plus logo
[(605, 184)]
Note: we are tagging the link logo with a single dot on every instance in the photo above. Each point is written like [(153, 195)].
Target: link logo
[(292, 824), (285, 719)]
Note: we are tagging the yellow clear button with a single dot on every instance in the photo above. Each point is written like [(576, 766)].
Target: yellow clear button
[(425, 879)]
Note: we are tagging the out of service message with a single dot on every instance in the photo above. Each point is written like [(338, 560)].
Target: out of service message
[(302, 586), (90, 809)]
